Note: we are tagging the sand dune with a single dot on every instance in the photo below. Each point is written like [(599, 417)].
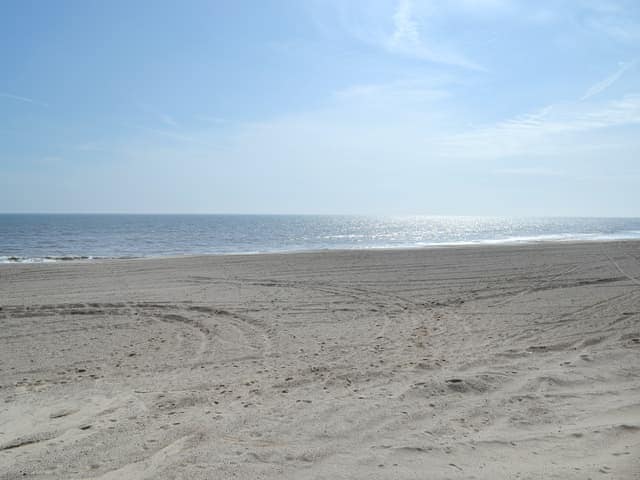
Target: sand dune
[(476, 362)]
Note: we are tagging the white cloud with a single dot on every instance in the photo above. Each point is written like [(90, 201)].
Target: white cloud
[(212, 119), (602, 85), (406, 40), (402, 27), (409, 90), (168, 120), (164, 133), (359, 134), (164, 118), (616, 24), (530, 172), (22, 99), (542, 131), (406, 29)]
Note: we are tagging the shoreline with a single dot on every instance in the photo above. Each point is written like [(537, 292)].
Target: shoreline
[(69, 259)]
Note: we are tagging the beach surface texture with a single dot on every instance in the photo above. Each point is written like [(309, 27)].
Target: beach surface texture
[(509, 362)]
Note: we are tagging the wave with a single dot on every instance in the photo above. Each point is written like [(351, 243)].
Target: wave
[(46, 259), (550, 238)]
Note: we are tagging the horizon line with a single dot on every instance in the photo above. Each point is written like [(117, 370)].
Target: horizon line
[(319, 214)]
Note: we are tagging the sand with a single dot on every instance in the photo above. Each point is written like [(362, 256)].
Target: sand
[(448, 363)]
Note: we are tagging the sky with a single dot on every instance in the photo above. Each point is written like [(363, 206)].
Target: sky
[(460, 107)]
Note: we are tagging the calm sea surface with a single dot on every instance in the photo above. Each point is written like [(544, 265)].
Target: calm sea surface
[(41, 238)]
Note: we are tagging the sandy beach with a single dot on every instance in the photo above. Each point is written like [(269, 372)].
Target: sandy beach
[(501, 362)]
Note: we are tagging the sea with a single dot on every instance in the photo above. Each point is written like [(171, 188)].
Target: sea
[(37, 238)]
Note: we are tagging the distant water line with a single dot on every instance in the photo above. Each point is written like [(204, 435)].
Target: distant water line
[(63, 237)]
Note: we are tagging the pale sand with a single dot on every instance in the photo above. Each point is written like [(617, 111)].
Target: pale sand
[(480, 362)]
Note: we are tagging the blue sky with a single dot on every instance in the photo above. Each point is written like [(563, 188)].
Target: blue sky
[(463, 107)]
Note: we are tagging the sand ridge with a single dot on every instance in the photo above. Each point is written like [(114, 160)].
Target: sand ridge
[(477, 362)]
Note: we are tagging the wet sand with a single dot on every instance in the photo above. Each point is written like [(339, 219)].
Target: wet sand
[(449, 363)]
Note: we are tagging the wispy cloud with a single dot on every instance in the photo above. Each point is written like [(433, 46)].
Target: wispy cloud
[(530, 172), (164, 118), (412, 90), (406, 29), (541, 131), (614, 21), (164, 133), (212, 119), (22, 99), (168, 120), (605, 83), (90, 147), (406, 39)]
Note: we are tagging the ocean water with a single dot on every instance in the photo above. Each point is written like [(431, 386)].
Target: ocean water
[(48, 238)]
